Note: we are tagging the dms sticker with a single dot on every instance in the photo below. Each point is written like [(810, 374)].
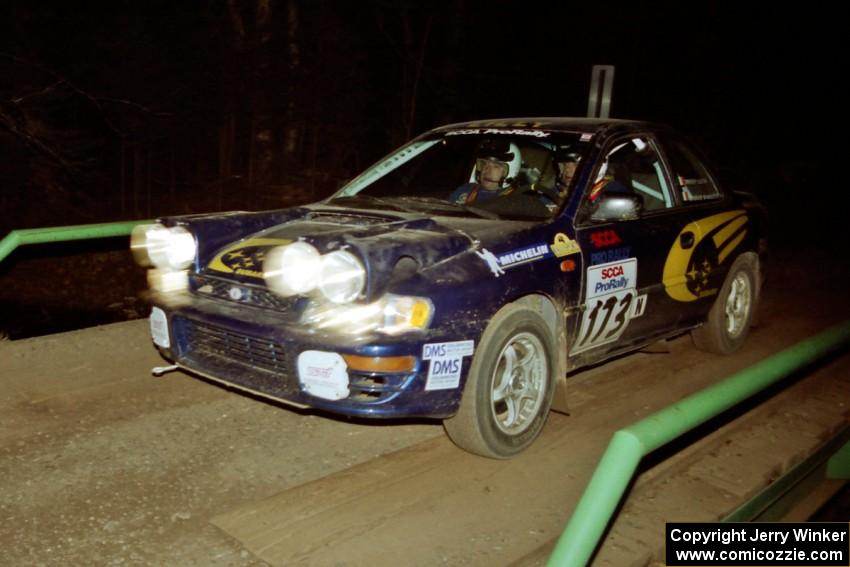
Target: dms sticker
[(446, 360), (497, 264), (687, 271), (611, 302), (245, 258)]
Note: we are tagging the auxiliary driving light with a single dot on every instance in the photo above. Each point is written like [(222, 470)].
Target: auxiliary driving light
[(341, 277), (292, 269), (167, 248)]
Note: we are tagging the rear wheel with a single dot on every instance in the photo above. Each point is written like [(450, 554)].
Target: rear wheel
[(509, 388), (729, 320)]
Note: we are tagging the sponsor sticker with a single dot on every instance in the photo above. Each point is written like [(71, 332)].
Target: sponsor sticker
[(605, 238), (498, 263), (446, 360), (613, 255), (610, 277), (499, 132), (611, 303), (563, 246), (323, 374), (159, 328)]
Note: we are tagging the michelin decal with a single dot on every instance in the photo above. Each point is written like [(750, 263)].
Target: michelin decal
[(498, 263)]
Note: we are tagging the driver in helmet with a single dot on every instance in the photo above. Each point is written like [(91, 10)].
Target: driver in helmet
[(496, 167)]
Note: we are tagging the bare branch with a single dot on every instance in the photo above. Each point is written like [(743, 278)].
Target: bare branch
[(94, 100)]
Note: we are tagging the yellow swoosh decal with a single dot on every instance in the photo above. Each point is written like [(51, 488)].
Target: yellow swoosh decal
[(245, 257), (727, 231)]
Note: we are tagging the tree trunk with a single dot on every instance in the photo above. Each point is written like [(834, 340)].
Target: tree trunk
[(291, 134)]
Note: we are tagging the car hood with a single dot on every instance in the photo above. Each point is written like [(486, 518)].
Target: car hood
[(379, 239)]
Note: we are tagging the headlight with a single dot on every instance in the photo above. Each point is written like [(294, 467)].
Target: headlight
[(163, 247), (341, 276), (292, 269), (392, 314)]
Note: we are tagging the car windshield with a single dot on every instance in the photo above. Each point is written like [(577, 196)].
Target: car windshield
[(489, 173)]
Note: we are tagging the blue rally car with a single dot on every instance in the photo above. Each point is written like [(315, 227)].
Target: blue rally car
[(463, 276)]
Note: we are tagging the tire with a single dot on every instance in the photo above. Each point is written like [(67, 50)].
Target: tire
[(509, 388), (728, 323)]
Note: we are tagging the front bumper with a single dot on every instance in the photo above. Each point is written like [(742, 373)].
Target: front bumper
[(257, 350)]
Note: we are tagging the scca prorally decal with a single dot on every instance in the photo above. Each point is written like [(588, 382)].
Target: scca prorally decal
[(605, 238), (613, 255), (564, 246), (518, 257), (245, 258), (611, 301), (610, 277), (498, 131), (687, 271)]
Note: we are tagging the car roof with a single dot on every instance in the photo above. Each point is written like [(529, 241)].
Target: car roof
[(562, 124)]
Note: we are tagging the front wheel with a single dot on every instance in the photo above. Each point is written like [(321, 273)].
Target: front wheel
[(509, 388), (729, 320)]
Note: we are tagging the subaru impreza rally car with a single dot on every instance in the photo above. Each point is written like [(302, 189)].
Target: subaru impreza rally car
[(462, 276)]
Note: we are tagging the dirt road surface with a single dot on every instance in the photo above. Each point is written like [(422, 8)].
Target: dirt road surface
[(103, 464)]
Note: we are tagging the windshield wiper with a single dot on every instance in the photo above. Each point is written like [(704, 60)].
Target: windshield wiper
[(483, 213), (360, 197), (384, 202)]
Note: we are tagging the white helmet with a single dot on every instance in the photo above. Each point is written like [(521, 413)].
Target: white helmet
[(503, 152)]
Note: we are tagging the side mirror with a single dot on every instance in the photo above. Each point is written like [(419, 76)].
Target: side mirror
[(616, 207)]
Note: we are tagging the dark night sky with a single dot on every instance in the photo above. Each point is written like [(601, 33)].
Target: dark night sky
[(122, 109)]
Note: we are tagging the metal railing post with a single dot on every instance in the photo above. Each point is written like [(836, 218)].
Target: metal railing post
[(628, 446), (64, 233)]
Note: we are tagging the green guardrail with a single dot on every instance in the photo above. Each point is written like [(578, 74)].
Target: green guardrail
[(628, 446), (64, 233)]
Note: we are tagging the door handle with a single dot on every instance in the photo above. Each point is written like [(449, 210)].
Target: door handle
[(686, 239)]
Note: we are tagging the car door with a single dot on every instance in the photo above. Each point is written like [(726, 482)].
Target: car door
[(694, 274), (624, 301)]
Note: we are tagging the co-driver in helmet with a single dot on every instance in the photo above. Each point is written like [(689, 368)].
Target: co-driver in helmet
[(496, 167)]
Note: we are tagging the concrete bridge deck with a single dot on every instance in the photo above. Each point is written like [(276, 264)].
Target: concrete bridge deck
[(105, 465)]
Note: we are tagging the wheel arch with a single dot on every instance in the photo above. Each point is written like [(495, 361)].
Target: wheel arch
[(555, 320)]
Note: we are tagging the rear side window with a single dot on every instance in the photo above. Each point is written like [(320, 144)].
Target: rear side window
[(690, 175)]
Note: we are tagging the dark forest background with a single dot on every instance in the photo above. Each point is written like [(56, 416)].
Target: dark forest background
[(133, 109), (122, 110)]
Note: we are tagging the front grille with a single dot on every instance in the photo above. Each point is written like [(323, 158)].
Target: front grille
[(263, 365), (203, 340), (236, 292)]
